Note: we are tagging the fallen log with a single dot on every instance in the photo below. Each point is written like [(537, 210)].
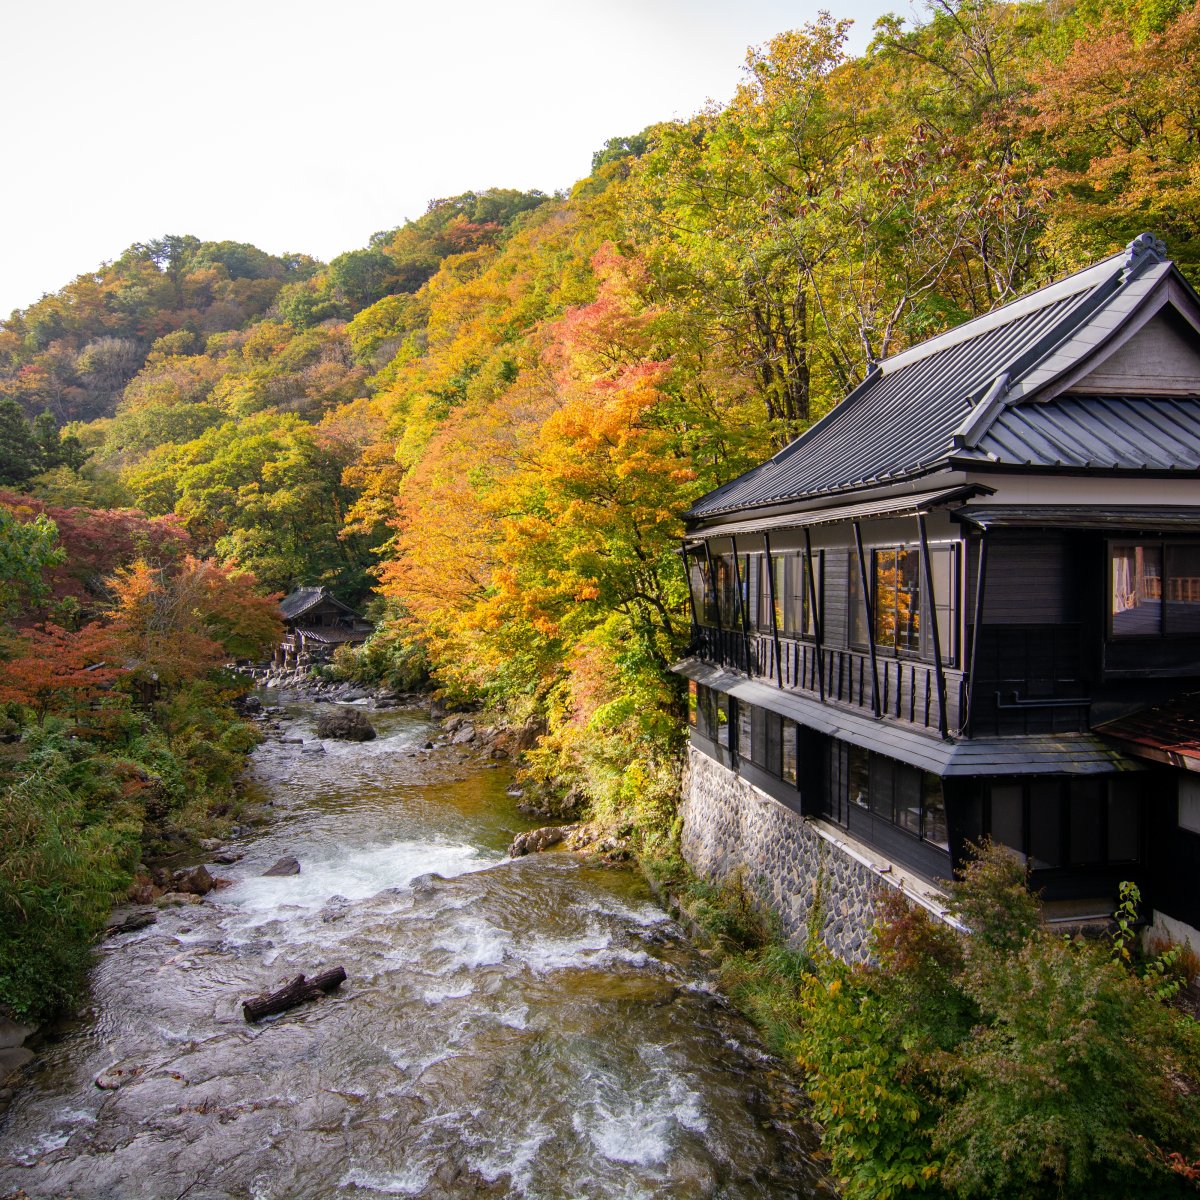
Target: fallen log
[(294, 992)]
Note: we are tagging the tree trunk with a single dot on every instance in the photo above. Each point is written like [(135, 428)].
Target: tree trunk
[(295, 992)]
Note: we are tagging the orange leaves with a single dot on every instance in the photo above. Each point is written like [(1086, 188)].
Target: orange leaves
[(54, 668)]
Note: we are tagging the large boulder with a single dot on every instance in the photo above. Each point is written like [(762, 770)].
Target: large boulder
[(345, 724), (195, 880)]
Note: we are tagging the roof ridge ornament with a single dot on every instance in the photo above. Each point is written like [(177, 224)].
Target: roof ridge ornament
[(1144, 251)]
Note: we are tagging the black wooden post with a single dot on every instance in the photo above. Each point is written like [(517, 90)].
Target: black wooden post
[(769, 563), (870, 611), (816, 612), (939, 669), (687, 572), (712, 583), (742, 597), (976, 623)]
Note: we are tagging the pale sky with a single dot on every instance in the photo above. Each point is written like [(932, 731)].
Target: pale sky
[(306, 126)]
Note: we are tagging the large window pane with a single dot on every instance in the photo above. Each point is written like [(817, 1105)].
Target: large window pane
[(858, 611), (942, 565), (1183, 589), (1008, 816), (1045, 824), (722, 710), (790, 759), (693, 702), (898, 599), (881, 788), (704, 598), (1123, 820), (727, 591), (745, 731), (908, 799), (1136, 589), (772, 748), (1087, 821), (934, 819), (859, 777)]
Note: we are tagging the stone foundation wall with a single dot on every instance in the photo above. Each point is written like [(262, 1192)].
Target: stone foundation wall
[(803, 872)]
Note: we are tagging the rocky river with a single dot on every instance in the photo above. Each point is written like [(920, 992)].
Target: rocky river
[(531, 1027)]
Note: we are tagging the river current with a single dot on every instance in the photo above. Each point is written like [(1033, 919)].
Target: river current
[(534, 1027)]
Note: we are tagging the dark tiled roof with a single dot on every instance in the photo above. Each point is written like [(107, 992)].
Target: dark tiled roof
[(1151, 433), (917, 410), (304, 599)]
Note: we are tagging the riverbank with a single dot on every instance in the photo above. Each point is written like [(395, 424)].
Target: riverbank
[(523, 1027)]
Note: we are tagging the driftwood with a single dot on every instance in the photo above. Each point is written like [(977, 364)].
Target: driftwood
[(292, 993)]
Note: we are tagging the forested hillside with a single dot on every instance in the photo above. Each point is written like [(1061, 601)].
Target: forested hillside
[(487, 423)]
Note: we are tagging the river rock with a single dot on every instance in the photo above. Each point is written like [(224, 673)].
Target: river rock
[(196, 880), (127, 920), (346, 724), (465, 735), (116, 1076), (13, 1033), (209, 843), (13, 1059), (285, 866), (534, 840), (177, 899), (226, 857)]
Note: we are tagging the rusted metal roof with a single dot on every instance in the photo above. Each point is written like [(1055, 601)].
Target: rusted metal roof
[(1167, 733)]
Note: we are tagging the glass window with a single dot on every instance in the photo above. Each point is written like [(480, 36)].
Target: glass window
[(943, 566), (858, 608), (898, 599), (1045, 824), (1189, 803), (790, 757), (693, 701), (908, 799), (1123, 820), (771, 743), (745, 731), (880, 787), (704, 599), (1087, 821), (1182, 599), (721, 714), (725, 568), (933, 804), (1008, 816), (1136, 589), (858, 775)]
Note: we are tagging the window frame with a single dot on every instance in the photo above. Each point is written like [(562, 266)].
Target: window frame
[(1162, 545)]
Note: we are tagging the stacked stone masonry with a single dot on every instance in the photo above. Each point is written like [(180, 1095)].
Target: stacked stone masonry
[(806, 878)]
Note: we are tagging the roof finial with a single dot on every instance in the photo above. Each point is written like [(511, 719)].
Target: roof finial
[(1145, 250)]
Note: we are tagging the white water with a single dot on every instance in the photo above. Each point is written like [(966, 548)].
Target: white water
[(530, 1028)]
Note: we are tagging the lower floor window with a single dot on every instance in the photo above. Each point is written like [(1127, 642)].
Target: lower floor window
[(1060, 822), (893, 791), (712, 714)]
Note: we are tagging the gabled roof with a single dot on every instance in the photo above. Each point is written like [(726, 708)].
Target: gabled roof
[(304, 599), (971, 397)]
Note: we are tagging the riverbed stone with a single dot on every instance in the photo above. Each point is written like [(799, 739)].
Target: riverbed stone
[(287, 865), (13, 1059), (196, 880), (345, 724), (13, 1033)]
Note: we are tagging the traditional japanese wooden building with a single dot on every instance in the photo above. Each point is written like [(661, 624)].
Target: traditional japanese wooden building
[(316, 623), (956, 607)]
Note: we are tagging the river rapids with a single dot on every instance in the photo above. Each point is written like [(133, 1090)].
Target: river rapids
[(530, 1028)]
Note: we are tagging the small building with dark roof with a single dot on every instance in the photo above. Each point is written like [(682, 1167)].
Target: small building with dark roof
[(915, 625), (316, 622)]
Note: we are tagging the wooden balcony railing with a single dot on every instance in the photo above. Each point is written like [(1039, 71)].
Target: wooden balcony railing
[(908, 690)]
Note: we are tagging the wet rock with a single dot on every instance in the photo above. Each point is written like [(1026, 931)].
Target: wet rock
[(464, 736), (178, 899), (515, 792), (116, 1076), (291, 741), (285, 866), (425, 883), (125, 920), (226, 857), (534, 840), (312, 748), (251, 704), (498, 753), (210, 843), (13, 1059), (14, 1033), (196, 880)]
